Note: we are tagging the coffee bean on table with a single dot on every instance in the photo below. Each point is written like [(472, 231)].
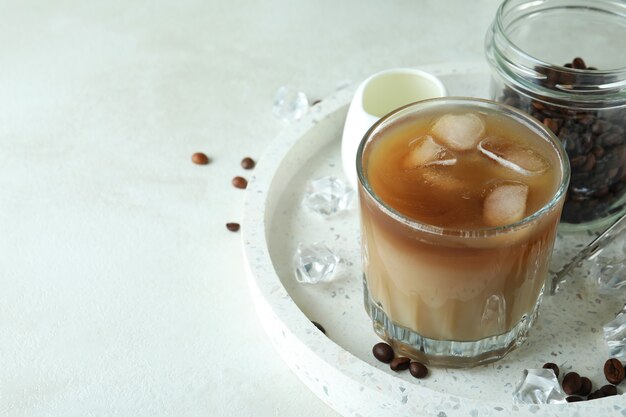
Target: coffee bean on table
[(608, 390), (233, 227), (199, 158), (614, 371), (383, 352), (247, 163), (418, 370), (585, 386), (319, 326), (240, 182), (552, 366), (571, 383), (400, 363)]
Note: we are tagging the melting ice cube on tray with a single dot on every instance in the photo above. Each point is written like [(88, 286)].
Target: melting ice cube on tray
[(539, 386), (314, 263), (327, 196)]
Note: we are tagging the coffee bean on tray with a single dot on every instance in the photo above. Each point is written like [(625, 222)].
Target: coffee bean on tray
[(400, 363), (383, 352), (233, 227), (240, 182), (608, 390), (571, 383), (573, 399), (247, 163), (418, 370), (585, 386), (552, 366), (199, 158), (594, 395), (614, 371)]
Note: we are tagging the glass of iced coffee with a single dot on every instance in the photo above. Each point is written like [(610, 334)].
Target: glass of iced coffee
[(459, 204)]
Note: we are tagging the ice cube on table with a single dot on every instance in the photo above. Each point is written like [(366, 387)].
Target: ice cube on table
[(513, 156), (424, 151), (459, 132), (539, 386), (289, 104), (615, 336), (314, 263), (506, 204)]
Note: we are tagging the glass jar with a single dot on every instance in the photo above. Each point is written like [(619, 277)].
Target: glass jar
[(563, 62)]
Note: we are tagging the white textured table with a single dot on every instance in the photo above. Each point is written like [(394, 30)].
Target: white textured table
[(121, 291)]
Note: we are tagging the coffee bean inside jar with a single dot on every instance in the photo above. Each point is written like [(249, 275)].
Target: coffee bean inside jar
[(582, 101)]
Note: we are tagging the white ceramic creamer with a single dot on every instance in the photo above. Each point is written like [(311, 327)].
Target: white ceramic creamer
[(376, 96)]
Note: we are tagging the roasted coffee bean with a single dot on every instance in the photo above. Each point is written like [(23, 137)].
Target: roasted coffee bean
[(600, 126), (247, 163), (199, 158), (319, 326), (578, 63), (608, 390), (552, 124), (594, 395), (233, 227), (598, 151), (573, 399), (552, 366), (383, 352), (571, 383), (240, 182), (590, 162), (537, 105), (585, 386), (610, 139), (400, 363), (418, 370), (614, 371), (578, 161)]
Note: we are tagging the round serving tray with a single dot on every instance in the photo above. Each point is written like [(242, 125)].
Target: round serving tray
[(339, 367)]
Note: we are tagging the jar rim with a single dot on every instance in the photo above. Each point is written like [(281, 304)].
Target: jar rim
[(607, 85)]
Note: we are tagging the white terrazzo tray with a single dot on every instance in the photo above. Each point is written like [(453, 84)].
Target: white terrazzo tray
[(339, 367)]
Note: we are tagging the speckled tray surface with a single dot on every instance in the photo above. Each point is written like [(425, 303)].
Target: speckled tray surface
[(339, 367)]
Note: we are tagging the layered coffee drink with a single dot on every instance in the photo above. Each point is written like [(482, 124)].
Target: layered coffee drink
[(460, 200)]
